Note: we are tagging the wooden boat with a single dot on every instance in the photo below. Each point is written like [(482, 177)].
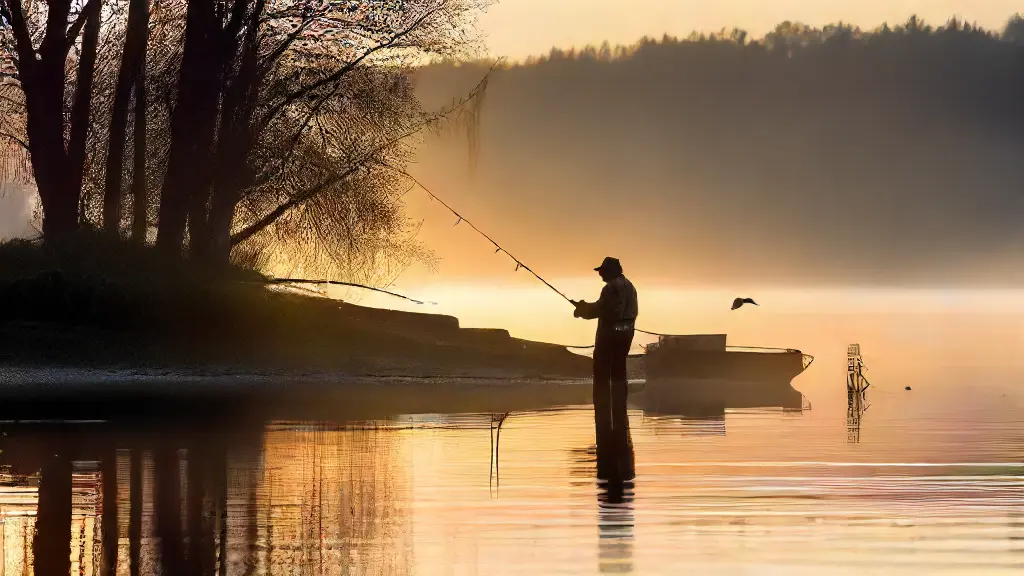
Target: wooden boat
[(701, 370)]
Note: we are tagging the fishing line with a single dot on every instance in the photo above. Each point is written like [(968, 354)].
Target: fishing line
[(500, 248), (519, 264), (497, 247)]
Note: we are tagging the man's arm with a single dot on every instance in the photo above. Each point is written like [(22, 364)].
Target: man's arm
[(592, 310)]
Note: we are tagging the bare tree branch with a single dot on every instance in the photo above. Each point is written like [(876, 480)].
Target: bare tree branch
[(275, 55), (76, 27), (22, 37), (310, 192), (301, 92)]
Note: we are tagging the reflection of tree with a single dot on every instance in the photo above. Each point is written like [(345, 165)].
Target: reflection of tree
[(83, 480), (53, 519), (330, 488)]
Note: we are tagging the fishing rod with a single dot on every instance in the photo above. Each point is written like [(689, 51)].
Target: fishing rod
[(519, 264), (498, 248)]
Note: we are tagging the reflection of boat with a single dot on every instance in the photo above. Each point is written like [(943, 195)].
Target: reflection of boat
[(702, 371)]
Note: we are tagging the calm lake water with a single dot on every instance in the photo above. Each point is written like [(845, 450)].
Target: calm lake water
[(924, 481)]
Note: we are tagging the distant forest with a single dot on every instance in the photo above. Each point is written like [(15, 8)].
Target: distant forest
[(905, 142)]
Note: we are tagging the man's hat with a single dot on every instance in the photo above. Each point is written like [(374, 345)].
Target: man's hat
[(610, 264)]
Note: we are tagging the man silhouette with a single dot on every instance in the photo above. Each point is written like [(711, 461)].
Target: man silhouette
[(616, 312)]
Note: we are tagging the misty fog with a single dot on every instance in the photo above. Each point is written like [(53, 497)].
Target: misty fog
[(15, 211), (832, 156)]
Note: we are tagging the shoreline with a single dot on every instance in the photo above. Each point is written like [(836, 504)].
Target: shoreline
[(46, 394), (14, 377)]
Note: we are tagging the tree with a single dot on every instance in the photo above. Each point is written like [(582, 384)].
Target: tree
[(289, 69), (130, 78), (56, 146), (140, 192), (1014, 29), (259, 122), (210, 37)]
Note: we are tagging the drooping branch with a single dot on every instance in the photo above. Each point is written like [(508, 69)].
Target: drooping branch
[(312, 191), (296, 200), (272, 58)]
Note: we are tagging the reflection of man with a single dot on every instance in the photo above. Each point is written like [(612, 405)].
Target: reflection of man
[(616, 312), (615, 521)]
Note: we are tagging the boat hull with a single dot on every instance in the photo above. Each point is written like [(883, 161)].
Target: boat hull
[(684, 378)]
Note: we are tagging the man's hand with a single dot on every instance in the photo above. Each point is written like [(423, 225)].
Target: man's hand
[(576, 312)]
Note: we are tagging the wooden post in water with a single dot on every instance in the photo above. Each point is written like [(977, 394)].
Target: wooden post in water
[(856, 386), (855, 381)]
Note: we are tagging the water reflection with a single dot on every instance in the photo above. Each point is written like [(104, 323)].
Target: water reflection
[(497, 420), (79, 475), (857, 386), (326, 488), (857, 405), (615, 526), (694, 427), (407, 495)]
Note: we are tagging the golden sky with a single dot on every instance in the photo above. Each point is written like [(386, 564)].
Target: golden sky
[(519, 28)]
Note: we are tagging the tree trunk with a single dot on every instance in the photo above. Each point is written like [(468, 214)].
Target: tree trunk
[(42, 76), (46, 147), (81, 108), (186, 189), (140, 188), (210, 47), (132, 61), (235, 143), (182, 163)]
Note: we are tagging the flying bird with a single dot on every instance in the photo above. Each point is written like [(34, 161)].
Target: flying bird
[(741, 301)]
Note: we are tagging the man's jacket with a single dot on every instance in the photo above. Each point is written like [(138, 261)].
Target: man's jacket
[(615, 310)]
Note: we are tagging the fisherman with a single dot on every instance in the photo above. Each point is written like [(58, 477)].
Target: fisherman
[(616, 312)]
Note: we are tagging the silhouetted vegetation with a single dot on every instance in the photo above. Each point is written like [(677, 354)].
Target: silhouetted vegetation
[(99, 281), (169, 141), (279, 126), (100, 302)]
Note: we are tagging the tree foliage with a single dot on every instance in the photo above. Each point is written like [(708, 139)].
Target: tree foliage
[(279, 127)]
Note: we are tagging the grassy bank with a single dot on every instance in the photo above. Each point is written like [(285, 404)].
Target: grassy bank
[(100, 303)]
